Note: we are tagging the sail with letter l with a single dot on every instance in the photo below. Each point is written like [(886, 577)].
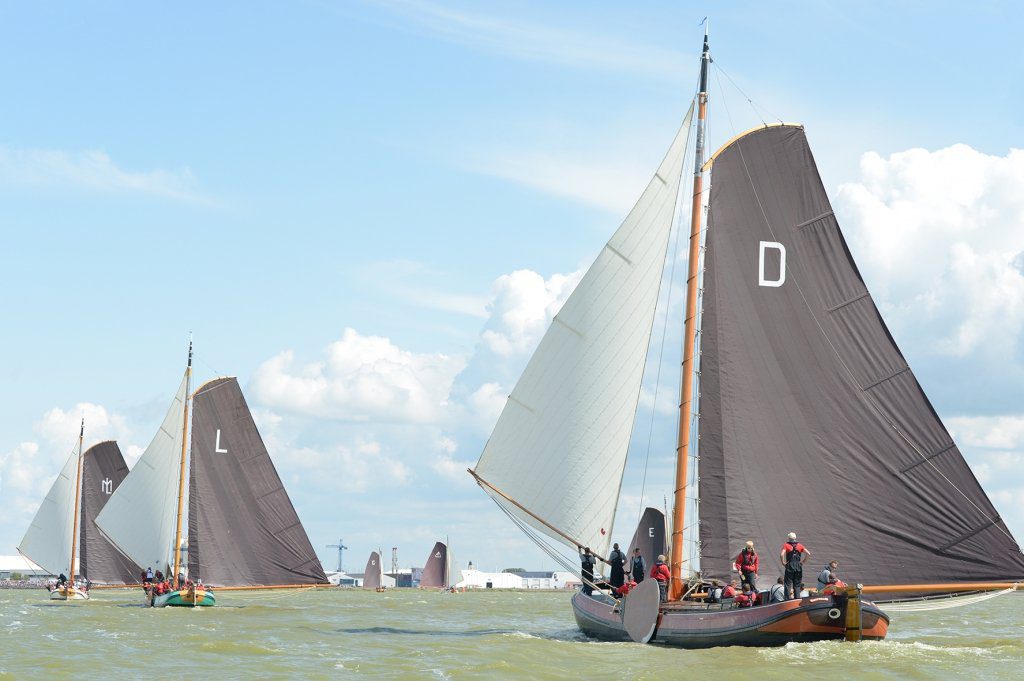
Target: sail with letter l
[(811, 419), (558, 449), (242, 527), (139, 516)]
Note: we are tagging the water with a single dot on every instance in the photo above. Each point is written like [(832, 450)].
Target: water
[(483, 635)]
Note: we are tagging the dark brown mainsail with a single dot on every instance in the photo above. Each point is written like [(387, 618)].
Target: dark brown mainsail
[(649, 536), (103, 469), (372, 573), (242, 527), (435, 572), (810, 418)]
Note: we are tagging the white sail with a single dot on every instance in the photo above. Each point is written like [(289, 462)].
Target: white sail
[(47, 541), (559, 446), (140, 516)]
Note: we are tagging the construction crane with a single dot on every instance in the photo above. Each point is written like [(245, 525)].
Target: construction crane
[(341, 547)]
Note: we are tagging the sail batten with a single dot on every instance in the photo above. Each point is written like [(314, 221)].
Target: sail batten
[(560, 443), (811, 419)]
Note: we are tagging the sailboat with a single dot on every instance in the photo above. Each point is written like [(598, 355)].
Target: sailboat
[(243, 531), (103, 471), (51, 541), (373, 575), (437, 570), (798, 413)]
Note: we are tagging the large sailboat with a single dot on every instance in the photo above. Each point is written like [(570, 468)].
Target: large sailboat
[(242, 532), (103, 471), (809, 418)]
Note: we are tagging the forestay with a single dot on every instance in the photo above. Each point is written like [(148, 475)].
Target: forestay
[(559, 446), (811, 420), (242, 527), (47, 541), (140, 516)]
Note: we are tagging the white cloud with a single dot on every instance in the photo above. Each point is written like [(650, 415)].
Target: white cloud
[(939, 236), (536, 42), (92, 171), (523, 306), (446, 465), (362, 378), (993, 432)]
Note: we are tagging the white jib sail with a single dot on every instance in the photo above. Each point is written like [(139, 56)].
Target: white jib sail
[(47, 541), (140, 516), (559, 446)]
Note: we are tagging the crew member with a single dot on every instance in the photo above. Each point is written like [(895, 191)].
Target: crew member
[(777, 593), (587, 561), (661, 573), (793, 556), (637, 566), (730, 589), (617, 560), (746, 564), (828, 575)]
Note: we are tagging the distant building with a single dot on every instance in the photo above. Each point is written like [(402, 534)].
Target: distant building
[(21, 565), (477, 579), (356, 579)]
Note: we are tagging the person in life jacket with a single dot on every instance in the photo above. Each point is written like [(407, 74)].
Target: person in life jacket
[(828, 575), (617, 559), (660, 572), (793, 556), (626, 588), (637, 566), (587, 561), (746, 564), (748, 597), (730, 590)]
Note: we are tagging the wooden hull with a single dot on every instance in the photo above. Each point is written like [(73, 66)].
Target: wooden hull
[(69, 594), (817, 618), (185, 598)]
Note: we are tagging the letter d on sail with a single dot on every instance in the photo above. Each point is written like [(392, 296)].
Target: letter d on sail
[(761, 280)]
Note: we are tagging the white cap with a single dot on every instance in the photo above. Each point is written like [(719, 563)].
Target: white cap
[(792, 536)]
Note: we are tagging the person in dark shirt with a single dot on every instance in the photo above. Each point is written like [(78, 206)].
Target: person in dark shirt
[(637, 566), (793, 556), (617, 561), (587, 561)]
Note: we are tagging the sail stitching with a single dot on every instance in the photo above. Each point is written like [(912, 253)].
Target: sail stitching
[(869, 400)]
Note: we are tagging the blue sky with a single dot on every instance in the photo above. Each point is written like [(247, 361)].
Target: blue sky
[(367, 210)]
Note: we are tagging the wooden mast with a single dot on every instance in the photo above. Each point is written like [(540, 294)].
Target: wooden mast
[(689, 334), (78, 500), (181, 475)]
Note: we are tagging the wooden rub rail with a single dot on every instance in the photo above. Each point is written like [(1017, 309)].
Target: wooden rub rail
[(948, 587), (318, 585)]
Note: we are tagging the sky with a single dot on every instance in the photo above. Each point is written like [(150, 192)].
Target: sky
[(369, 211)]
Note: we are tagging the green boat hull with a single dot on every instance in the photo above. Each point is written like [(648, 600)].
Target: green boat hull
[(184, 599)]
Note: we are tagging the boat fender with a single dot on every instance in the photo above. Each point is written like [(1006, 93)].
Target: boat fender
[(834, 613)]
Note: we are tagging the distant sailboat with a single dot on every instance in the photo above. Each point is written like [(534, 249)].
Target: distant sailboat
[(51, 541), (437, 571), (243, 531), (649, 538), (810, 418), (373, 575)]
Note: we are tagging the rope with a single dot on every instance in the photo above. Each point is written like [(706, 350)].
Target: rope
[(944, 603)]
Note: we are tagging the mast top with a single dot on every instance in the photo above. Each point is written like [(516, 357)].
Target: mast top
[(190, 349), (705, 57)]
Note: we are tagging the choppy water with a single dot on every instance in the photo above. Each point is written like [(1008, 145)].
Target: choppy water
[(407, 634)]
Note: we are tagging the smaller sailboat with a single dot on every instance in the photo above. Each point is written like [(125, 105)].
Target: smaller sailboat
[(103, 470), (437, 571), (373, 575), (242, 531), (51, 541)]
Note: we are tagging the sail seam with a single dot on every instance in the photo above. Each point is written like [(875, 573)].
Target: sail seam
[(805, 223), (839, 306), (886, 378), (951, 445)]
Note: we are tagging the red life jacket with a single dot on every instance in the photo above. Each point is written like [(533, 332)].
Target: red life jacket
[(661, 572), (729, 591)]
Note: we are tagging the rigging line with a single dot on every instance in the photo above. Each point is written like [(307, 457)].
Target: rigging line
[(206, 364), (674, 253), (866, 397), (750, 101)]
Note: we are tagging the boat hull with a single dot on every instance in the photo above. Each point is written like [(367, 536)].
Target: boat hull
[(185, 598), (69, 594), (817, 618)]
